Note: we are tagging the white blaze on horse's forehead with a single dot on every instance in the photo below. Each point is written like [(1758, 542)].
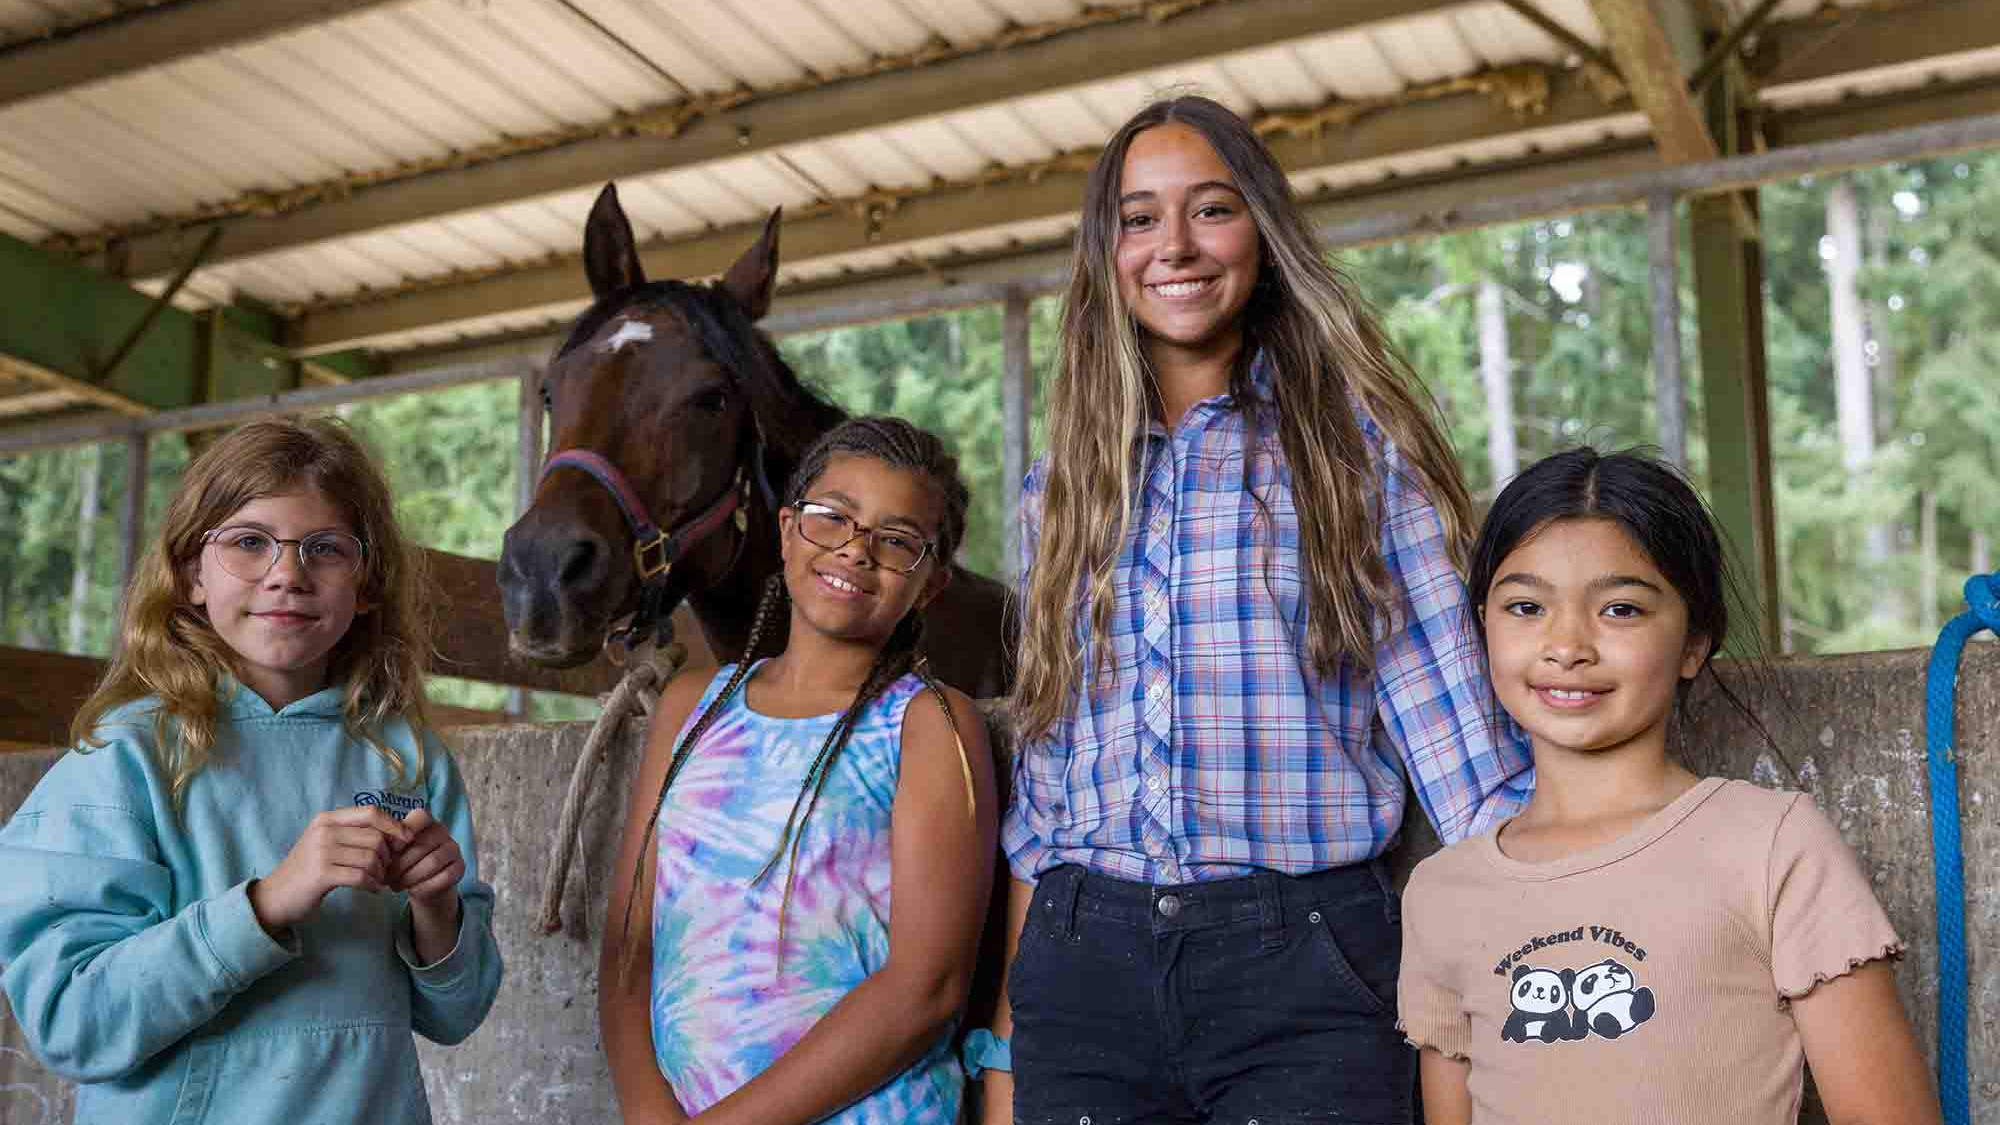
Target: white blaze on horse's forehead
[(629, 332)]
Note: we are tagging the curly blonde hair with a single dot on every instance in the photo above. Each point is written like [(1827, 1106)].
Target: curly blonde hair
[(170, 652), (1329, 357)]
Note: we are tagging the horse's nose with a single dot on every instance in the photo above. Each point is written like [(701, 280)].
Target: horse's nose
[(547, 563)]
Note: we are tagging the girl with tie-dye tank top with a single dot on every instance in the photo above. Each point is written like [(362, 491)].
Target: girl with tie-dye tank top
[(785, 803)]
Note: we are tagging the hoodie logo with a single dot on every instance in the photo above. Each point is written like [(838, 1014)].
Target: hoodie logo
[(398, 805)]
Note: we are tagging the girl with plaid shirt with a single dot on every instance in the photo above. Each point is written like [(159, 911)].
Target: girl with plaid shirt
[(1244, 628)]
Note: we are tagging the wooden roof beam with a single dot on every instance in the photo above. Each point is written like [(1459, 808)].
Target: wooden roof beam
[(774, 121), (150, 37), (1647, 62)]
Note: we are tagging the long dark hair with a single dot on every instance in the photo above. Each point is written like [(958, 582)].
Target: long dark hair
[(899, 445), (1331, 361), (1664, 517)]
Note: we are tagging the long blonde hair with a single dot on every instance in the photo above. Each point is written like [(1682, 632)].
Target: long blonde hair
[(1329, 358), (169, 650)]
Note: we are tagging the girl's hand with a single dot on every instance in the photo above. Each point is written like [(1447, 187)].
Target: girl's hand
[(352, 847), (430, 865), (428, 870)]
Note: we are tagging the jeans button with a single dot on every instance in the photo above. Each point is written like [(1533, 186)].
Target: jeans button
[(1169, 905), (1313, 917)]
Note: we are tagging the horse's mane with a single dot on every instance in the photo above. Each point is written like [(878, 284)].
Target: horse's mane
[(790, 414)]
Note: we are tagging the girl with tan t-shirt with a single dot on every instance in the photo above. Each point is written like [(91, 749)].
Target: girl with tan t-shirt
[(1639, 945)]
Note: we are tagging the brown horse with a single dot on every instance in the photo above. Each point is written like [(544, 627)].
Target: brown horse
[(692, 417)]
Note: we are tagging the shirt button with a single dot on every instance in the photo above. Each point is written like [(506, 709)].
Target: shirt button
[(1158, 691), (1155, 784), (1169, 905)]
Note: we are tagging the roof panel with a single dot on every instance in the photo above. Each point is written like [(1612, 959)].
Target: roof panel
[(1350, 65), (1424, 50), (479, 53), (827, 169), (1275, 78), (649, 29), (606, 71), (999, 133), (941, 151), (957, 22), (802, 32), (719, 30), (877, 27)]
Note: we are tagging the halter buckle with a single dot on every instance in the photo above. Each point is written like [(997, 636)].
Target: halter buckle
[(656, 546)]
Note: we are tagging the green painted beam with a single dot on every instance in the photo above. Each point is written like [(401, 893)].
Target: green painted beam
[(77, 317), (1729, 300)]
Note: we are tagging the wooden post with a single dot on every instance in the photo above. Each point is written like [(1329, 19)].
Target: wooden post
[(1017, 403), (1729, 302), (1669, 386), (131, 526)]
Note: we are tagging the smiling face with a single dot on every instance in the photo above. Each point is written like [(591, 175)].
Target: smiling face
[(281, 628), (1188, 254), (1588, 642), (844, 592)]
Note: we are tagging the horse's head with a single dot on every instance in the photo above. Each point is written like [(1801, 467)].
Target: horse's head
[(661, 381)]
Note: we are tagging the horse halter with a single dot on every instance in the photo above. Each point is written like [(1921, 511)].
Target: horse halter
[(654, 551)]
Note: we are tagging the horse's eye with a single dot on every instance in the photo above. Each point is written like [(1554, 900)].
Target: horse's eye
[(712, 401)]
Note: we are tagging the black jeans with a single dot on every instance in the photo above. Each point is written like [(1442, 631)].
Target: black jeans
[(1266, 1000)]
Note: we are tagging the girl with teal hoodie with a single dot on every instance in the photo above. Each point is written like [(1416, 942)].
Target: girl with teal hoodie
[(255, 876)]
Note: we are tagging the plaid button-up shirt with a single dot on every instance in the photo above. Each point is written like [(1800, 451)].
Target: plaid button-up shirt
[(1212, 748)]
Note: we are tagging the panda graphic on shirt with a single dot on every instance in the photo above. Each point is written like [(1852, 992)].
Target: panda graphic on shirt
[(1562, 1005)]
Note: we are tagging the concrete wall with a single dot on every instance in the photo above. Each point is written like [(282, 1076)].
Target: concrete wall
[(1851, 728)]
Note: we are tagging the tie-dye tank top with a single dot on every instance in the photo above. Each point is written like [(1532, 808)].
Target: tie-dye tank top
[(724, 1006)]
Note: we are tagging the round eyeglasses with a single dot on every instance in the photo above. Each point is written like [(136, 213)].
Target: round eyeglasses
[(249, 553), (900, 551)]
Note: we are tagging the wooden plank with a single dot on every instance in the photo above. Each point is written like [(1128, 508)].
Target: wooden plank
[(771, 122), (153, 36), (1646, 61), (39, 693)]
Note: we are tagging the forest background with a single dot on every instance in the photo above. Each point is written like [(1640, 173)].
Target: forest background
[(1882, 308)]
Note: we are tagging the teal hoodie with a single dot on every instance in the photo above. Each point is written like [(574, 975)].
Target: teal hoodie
[(135, 966)]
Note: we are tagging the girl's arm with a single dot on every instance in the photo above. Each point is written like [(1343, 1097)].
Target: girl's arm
[(997, 1106), (100, 972), (1863, 1054), (1432, 692), (455, 967), (1446, 1100), (942, 871), (625, 960)]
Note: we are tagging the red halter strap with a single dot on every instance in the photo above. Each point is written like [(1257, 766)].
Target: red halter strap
[(653, 551)]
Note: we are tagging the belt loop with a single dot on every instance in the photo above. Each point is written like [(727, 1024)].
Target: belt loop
[(1271, 910)]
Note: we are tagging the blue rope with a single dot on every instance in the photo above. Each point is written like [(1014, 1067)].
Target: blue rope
[(1982, 594)]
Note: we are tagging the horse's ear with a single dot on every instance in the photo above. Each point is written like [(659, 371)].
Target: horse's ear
[(755, 274), (610, 257)]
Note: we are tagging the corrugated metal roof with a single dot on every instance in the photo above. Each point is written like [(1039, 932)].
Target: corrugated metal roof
[(419, 83)]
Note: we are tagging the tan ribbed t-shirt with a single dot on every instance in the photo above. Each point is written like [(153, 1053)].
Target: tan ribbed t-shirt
[(1644, 981)]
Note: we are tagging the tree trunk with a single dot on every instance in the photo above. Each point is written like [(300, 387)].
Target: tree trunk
[(1496, 370), (1881, 218), (1853, 393), (88, 471), (1982, 553)]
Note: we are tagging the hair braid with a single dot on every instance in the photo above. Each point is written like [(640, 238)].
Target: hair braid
[(891, 664), (774, 596)]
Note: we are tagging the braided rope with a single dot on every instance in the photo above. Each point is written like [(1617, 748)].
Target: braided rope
[(634, 695)]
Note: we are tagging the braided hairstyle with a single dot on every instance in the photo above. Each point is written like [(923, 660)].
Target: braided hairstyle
[(899, 445)]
